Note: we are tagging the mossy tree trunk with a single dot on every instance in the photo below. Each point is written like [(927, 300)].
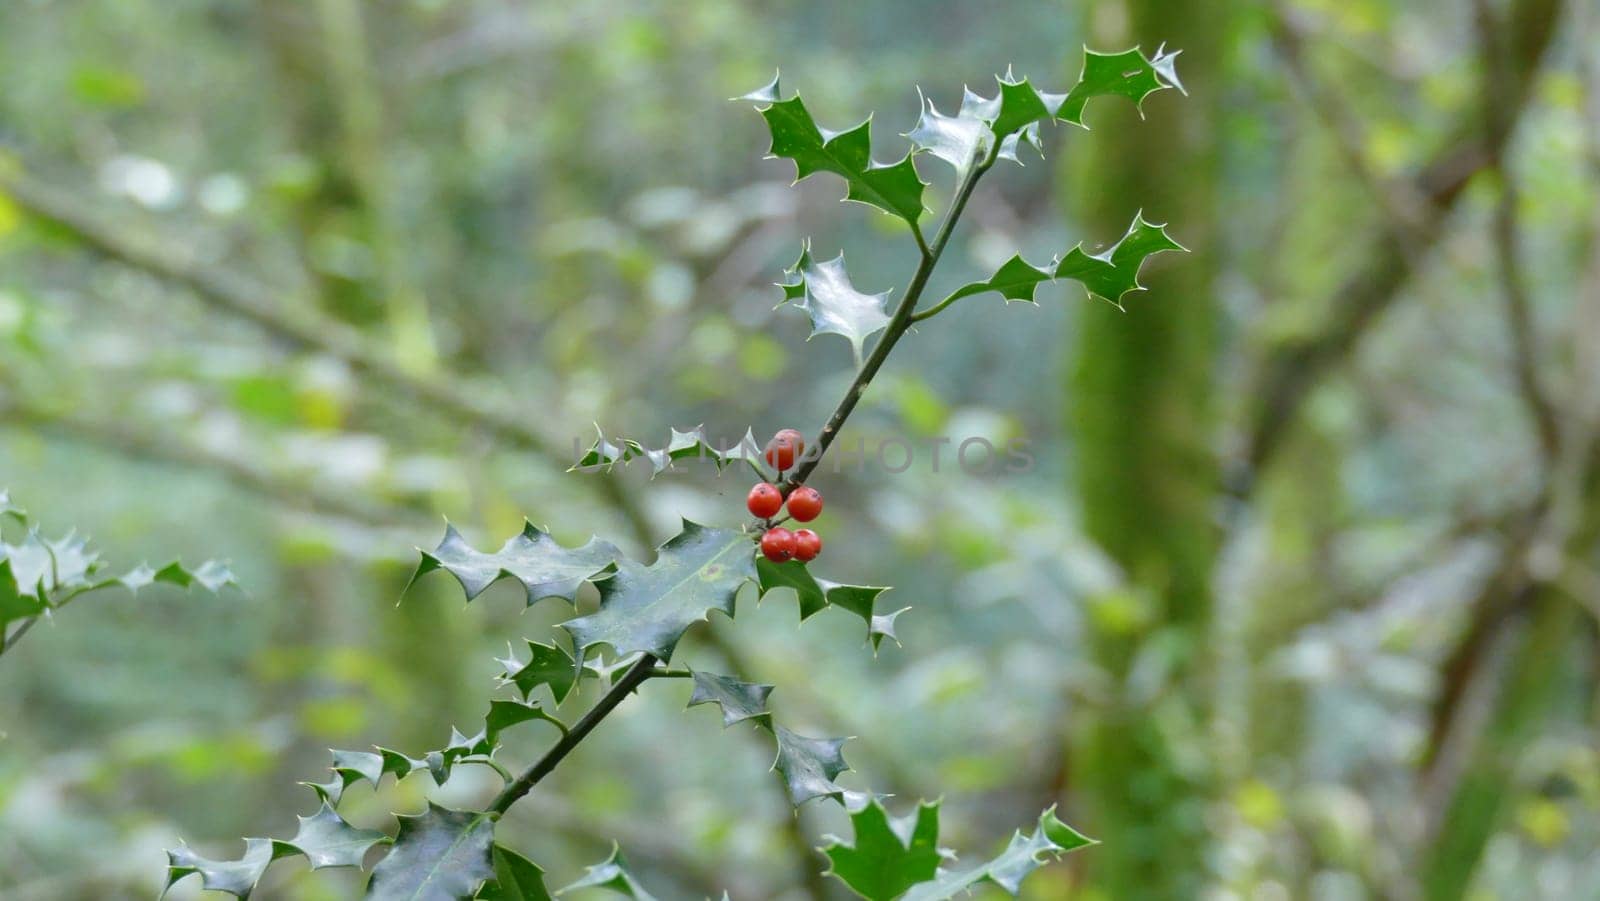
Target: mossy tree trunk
[(1141, 414)]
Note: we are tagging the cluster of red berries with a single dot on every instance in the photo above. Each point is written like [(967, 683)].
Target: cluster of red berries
[(805, 503)]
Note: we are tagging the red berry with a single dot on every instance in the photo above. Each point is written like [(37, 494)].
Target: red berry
[(783, 448), (765, 500), (805, 503), (778, 544), (807, 545)]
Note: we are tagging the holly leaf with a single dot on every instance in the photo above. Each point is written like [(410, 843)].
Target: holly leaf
[(814, 594), (824, 291), (324, 838), (889, 854), (648, 608), (1109, 273), (538, 561), (605, 455), (548, 664), (895, 188), (212, 575), (438, 855), (1025, 853), (882, 627), (739, 701), (328, 841), (47, 568), (15, 602), (997, 125), (1128, 74), (1016, 279), (1114, 271), (962, 140), (516, 878), (350, 767), (611, 873), (236, 877), (809, 765)]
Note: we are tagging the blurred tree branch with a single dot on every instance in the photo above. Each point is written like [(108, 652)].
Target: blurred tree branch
[(168, 450), (1499, 677), (1293, 368)]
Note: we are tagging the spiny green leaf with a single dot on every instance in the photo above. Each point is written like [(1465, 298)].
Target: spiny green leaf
[(504, 714), (328, 841), (889, 854), (962, 140), (48, 567), (539, 562), (438, 855), (611, 873), (648, 608), (814, 594), (236, 877), (895, 188), (1050, 839), (1114, 271), (1127, 74), (739, 701), (324, 838), (1013, 115), (1109, 273), (809, 765), (516, 878), (605, 455), (15, 602), (883, 627), (824, 291), (350, 767), (212, 575), (548, 664), (1016, 279)]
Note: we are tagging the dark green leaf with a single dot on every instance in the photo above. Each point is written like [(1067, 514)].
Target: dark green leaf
[(739, 701), (1114, 271), (548, 664), (611, 873), (1016, 279), (516, 878), (889, 854), (439, 855), (648, 608), (814, 594), (809, 765), (1127, 74), (539, 562), (1109, 273), (894, 188)]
